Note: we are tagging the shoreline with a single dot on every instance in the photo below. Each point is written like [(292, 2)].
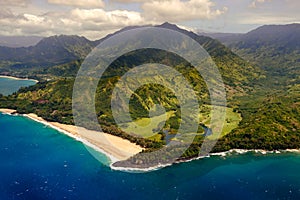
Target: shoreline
[(16, 78), (7, 111), (113, 156), (113, 147), (220, 154)]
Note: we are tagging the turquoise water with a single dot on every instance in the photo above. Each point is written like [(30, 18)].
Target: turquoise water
[(37, 162), (9, 85)]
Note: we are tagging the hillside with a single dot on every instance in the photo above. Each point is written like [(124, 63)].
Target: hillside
[(223, 37), (48, 52), (274, 48)]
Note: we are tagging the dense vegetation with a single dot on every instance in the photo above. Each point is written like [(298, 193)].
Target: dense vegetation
[(270, 112), (274, 48), (270, 121), (271, 124)]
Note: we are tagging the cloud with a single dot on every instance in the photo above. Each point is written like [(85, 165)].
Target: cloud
[(267, 19), (92, 23), (95, 23), (270, 12), (5, 13), (176, 10), (17, 3), (79, 3), (255, 3), (26, 17), (115, 18)]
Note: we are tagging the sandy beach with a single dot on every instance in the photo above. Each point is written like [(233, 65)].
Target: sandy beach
[(114, 147), (15, 78), (7, 111)]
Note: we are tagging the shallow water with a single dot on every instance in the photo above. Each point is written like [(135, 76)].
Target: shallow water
[(9, 85)]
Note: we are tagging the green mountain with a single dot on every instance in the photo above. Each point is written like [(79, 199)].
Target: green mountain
[(274, 48), (271, 112), (48, 52)]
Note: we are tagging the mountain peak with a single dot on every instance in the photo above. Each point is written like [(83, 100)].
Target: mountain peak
[(63, 41), (168, 25)]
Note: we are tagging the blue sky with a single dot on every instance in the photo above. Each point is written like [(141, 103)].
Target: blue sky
[(96, 18)]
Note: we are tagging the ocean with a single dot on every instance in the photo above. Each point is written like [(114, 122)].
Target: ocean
[(37, 162), (10, 85)]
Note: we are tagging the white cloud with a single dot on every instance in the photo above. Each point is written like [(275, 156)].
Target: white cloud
[(267, 19), (19, 3), (26, 17), (92, 23), (79, 3), (95, 23), (109, 18), (176, 10), (255, 3)]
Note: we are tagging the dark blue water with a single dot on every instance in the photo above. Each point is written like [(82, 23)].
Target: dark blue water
[(9, 85), (37, 162)]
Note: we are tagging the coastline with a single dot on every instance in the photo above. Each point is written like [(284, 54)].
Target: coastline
[(115, 148), (16, 78), (7, 111), (220, 154)]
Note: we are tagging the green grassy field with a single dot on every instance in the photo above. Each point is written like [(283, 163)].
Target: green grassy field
[(144, 127), (232, 119)]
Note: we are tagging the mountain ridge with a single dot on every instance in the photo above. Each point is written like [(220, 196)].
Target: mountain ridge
[(274, 48), (62, 49), (52, 50)]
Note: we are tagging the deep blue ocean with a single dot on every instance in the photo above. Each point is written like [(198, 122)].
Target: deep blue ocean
[(37, 162), (9, 85)]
